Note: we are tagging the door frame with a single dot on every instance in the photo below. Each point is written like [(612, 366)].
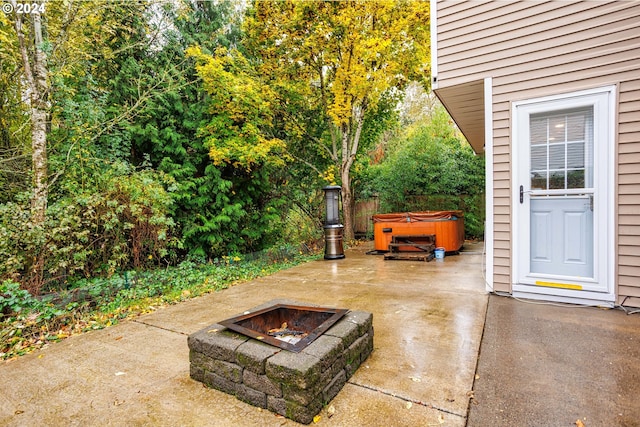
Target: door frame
[(604, 101)]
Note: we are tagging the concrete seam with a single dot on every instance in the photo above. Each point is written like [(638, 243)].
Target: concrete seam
[(475, 371), (159, 327), (407, 399)]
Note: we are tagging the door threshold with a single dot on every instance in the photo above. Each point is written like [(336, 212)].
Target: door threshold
[(592, 299)]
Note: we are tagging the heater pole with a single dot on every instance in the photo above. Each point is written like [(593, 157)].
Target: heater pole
[(333, 229)]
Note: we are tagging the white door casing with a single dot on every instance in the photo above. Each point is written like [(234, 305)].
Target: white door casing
[(562, 179)]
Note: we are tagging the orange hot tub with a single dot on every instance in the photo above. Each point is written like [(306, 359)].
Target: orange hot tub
[(448, 226)]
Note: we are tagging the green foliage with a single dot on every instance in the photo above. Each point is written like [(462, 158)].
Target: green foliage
[(218, 208), (343, 59), (27, 323), (13, 299), (155, 156), (302, 226), (239, 132), (19, 304), (122, 222), (240, 137), (430, 168), (14, 128)]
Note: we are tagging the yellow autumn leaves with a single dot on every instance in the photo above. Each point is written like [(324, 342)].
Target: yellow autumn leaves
[(242, 113), (341, 58)]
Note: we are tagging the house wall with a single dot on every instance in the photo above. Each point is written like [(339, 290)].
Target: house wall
[(534, 49)]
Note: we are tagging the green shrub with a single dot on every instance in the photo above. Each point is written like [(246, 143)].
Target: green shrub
[(13, 299), (19, 303), (430, 168), (124, 223), (28, 322)]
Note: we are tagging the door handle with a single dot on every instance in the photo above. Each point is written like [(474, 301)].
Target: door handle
[(521, 194)]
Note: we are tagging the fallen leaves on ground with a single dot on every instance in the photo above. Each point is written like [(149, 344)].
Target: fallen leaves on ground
[(331, 410), (472, 397)]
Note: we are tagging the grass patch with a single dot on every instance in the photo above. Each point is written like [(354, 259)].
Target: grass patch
[(28, 323)]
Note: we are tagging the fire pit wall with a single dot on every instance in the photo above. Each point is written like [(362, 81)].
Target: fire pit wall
[(294, 385)]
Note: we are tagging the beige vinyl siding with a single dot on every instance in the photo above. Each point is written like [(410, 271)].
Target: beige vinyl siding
[(502, 180), (533, 49), (629, 192), (531, 38)]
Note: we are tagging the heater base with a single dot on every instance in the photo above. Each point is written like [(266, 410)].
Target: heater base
[(333, 248)]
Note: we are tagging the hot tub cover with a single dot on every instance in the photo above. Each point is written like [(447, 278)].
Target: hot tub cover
[(418, 216)]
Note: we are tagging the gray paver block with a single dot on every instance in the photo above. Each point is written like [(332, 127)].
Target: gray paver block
[(303, 414), (334, 386), (253, 354), (251, 396), (346, 330), (220, 383), (299, 369), (356, 349), (227, 370), (277, 405), (363, 319), (217, 342), (262, 383), (326, 348)]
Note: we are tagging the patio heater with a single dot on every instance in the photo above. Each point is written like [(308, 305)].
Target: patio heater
[(332, 228)]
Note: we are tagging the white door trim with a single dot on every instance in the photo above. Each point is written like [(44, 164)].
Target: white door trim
[(604, 100), (488, 181), (433, 16)]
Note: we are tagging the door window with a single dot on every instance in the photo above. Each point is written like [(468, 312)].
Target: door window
[(562, 150)]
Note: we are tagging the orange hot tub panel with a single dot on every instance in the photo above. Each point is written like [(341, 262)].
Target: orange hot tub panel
[(448, 226)]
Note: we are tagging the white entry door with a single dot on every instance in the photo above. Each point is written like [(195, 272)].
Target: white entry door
[(562, 236), (562, 206)]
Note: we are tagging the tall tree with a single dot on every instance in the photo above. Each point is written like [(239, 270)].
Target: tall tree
[(219, 208), (35, 72), (348, 55), (241, 141), (64, 81)]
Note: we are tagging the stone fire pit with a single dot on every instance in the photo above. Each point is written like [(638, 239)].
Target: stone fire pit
[(294, 385)]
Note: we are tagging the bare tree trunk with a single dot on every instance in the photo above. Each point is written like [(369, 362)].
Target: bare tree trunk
[(350, 143), (35, 73), (39, 159), (347, 205)]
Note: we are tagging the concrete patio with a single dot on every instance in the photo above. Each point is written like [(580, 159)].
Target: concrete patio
[(428, 320)]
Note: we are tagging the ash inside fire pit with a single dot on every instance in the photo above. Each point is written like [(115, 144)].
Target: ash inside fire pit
[(297, 384), (286, 326)]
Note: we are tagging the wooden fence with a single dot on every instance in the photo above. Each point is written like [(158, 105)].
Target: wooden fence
[(364, 210)]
